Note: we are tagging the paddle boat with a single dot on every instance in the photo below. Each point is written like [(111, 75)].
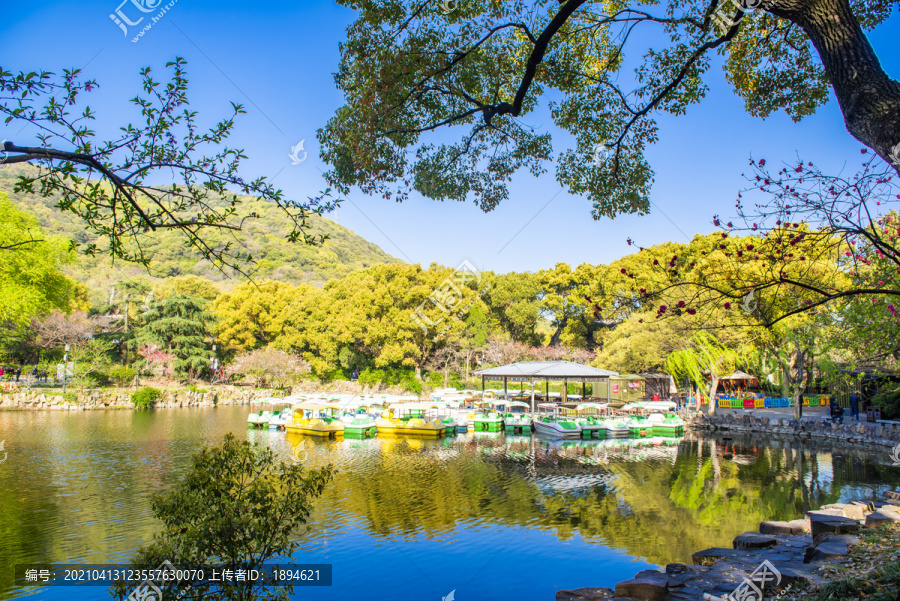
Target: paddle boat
[(515, 420), (592, 425), (261, 418), (281, 417), (446, 411), (358, 422), (484, 419), (666, 424), (443, 411), (550, 423), (404, 420), (315, 419), (616, 428), (639, 427)]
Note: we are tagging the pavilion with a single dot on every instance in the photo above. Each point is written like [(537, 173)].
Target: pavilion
[(556, 371)]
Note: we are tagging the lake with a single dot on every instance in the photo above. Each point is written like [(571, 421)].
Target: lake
[(485, 515)]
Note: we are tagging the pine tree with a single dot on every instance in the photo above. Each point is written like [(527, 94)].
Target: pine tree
[(180, 325)]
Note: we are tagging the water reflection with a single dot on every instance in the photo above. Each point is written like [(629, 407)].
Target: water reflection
[(76, 487)]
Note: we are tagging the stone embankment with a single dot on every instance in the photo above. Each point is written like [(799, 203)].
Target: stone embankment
[(850, 431), (798, 550), (120, 398)]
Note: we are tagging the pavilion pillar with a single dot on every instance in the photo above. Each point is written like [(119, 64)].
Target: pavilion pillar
[(505, 393), (532, 395), (547, 393), (607, 388), (482, 386), (565, 394), (583, 389)]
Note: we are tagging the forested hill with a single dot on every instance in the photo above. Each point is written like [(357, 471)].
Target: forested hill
[(276, 258)]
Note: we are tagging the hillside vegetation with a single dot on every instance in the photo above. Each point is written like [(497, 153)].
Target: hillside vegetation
[(275, 258)]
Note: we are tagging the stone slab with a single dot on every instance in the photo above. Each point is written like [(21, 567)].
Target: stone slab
[(647, 585), (827, 550), (749, 541), (588, 593), (849, 510), (892, 495), (792, 527), (882, 517), (822, 524)]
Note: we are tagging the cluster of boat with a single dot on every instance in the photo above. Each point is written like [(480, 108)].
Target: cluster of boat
[(450, 412)]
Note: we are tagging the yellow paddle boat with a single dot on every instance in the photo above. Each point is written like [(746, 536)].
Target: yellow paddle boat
[(316, 419), (409, 419)]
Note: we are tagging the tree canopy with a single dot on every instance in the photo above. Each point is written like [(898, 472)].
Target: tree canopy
[(32, 282), (410, 70)]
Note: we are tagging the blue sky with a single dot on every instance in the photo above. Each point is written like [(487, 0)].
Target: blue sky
[(278, 58)]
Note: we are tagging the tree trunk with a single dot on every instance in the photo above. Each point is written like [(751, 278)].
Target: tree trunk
[(713, 386), (797, 382), (785, 377), (554, 340), (869, 99)]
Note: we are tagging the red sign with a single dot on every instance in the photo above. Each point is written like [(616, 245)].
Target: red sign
[(615, 388)]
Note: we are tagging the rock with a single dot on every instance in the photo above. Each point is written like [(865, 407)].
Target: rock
[(866, 504), (648, 585), (588, 593), (708, 556), (827, 550), (749, 541), (822, 524), (891, 495), (825, 511), (677, 568), (881, 517), (792, 527), (849, 510)]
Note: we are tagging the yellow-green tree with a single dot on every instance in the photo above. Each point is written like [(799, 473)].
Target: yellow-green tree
[(384, 313), (188, 285), (251, 315), (32, 283)]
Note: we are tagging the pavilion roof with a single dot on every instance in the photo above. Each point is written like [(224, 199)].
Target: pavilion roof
[(525, 371)]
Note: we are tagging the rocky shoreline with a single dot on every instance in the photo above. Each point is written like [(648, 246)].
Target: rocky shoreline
[(797, 550), (849, 432), (120, 398)]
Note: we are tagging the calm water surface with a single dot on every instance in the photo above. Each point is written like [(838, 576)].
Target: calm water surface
[(487, 515)]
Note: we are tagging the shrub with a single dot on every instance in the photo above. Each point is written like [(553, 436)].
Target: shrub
[(145, 397), (122, 375), (392, 377), (889, 401), (193, 388), (201, 515), (70, 397)]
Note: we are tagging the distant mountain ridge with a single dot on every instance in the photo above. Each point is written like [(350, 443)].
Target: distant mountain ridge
[(264, 238)]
